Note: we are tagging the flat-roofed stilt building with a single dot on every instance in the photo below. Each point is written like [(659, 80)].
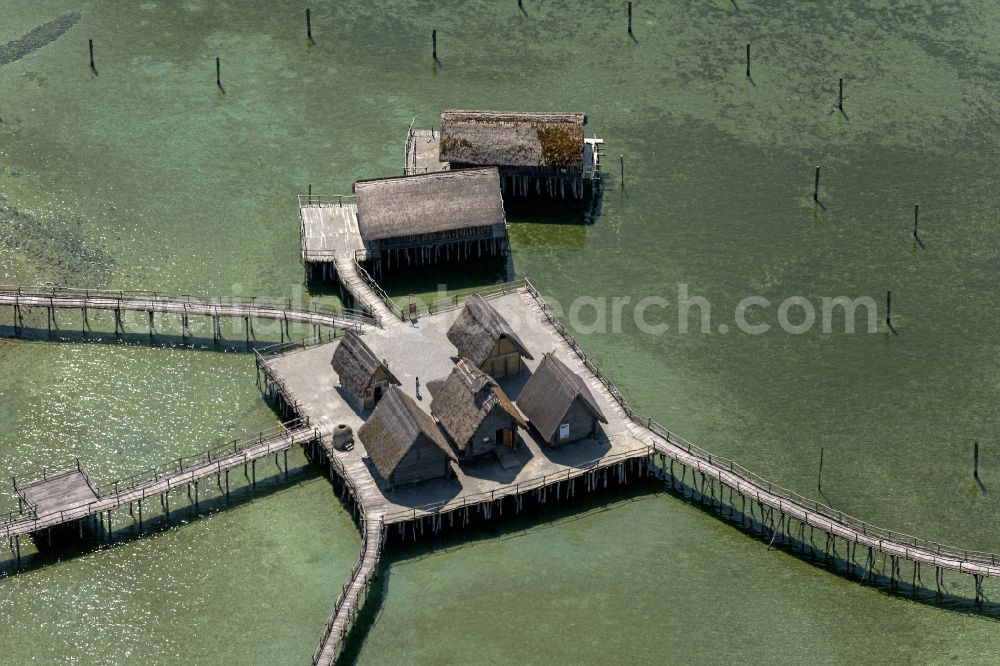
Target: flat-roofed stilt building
[(535, 152), (427, 218)]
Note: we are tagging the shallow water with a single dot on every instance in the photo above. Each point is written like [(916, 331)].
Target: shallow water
[(145, 176)]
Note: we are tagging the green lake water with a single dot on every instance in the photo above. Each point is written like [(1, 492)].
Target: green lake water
[(146, 177)]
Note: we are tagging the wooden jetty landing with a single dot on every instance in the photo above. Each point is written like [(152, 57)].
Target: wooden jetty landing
[(67, 497), (86, 300), (332, 247)]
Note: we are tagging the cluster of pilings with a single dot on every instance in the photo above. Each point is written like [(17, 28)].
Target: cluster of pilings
[(483, 509), (550, 185), (445, 251)]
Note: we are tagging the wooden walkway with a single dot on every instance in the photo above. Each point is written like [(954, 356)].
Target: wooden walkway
[(60, 298), (153, 484), (371, 503), (779, 509), (367, 293)]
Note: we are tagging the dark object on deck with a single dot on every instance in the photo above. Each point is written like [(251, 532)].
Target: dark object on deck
[(484, 338), (404, 443), (559, 404), (362, 376), (343, 437), (534, 151), (816, 186), (475, 412), (431, 217)]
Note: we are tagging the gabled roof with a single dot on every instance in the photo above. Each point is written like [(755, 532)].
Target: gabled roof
[(478, 329), (429, 203), (549, 393), (355, 363), (463, 401), (394, 427), (495, 138)]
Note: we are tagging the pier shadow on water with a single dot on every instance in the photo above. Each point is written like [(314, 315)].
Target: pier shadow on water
[(70, 541), (414, 541)]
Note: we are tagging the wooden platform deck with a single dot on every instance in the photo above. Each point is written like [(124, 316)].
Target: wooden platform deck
[(48, 494), (329, 229), (423, 351)]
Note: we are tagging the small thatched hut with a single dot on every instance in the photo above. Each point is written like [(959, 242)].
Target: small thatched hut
[(484, 338), (534, 151), (404, 443), (448, 215), (474, 411), (559, 404), (363, 377)]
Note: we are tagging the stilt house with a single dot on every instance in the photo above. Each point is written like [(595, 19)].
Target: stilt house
[(422, 219), (540, 153), (485, 339), (474, 411), (559, 404), (364, 378), (404, 443)]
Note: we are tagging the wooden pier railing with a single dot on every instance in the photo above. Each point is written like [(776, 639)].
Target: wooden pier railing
[(158, 480), (789, 504), (282, 310)]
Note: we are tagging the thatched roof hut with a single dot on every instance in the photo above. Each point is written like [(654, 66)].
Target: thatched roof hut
[(428, 204), (403, 442), (359, 369), (479, 335), (556, 398), (493, 138), (469, 401)]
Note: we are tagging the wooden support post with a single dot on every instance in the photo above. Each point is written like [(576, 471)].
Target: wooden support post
[(748, 61), (286, 463), (218, 76), (888, 309), (309, 29), (434, 44), (840, 96), (819, 480), (253, 469), (621, 158), (975, 460), (816, 186), (916, 215), (196, 496), (140, 516), (630, 17), (90, 47)]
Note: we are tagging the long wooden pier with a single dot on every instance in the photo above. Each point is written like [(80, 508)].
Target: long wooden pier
[(56, 499), (86, 300)]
